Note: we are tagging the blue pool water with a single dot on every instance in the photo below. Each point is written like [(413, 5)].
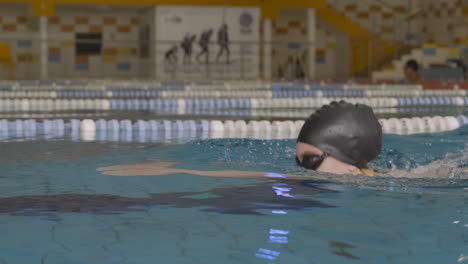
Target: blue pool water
[(55, 207)]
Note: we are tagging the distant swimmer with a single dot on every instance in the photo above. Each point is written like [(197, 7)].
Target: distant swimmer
[(411, 71), (339, 138), (187, 47), (223, 42), (204, 43)]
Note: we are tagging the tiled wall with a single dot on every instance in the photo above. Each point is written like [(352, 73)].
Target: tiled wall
[(387, 20), (444, 22), (424, 21), (18, 29), (332, 56), (418, 21), (290, 37), (426, 56), (120, 31)]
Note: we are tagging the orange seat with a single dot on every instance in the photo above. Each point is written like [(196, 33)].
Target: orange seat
[(5, 52), (6, 57)]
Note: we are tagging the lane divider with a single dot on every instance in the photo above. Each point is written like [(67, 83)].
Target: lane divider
[(216, 94), (187, 106), (139, 86), (155, 130)]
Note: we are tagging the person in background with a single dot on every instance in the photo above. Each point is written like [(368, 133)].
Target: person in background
[(458, 63), (411, 71)]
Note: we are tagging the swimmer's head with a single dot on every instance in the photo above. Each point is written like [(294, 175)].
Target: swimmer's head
[(346, 132), (412, 65), (411, 71)]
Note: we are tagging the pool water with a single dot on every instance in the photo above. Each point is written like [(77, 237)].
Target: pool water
[(55, 207)]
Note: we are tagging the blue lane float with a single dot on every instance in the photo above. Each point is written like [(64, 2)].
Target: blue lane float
[(219, 90), (155, 130), (218, 94), (182, 106)]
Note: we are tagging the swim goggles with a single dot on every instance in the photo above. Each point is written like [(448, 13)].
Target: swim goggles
[(312, 162)]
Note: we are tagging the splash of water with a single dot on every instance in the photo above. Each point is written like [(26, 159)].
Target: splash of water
[(453, 166)]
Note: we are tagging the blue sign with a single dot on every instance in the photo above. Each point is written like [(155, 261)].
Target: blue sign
[(24, 43), (55, 58), (123, 66), (82, 66), (430, 52), (320, 59), (294, 45)]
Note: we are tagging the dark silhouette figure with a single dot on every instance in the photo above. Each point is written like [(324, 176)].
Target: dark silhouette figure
[(299, 72), (204, 43), (223, 42), (171, 55), (458, 63), (187, 47)]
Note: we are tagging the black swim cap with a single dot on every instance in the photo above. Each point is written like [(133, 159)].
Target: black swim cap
[(347, 132)]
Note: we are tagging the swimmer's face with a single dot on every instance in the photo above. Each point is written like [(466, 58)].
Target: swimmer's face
[(310, 157), (410, 74), (312, 161)]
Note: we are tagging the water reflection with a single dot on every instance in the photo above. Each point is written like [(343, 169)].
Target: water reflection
[(281, 236), (277, 236), (228, 200), (342, 249), (267, 254)]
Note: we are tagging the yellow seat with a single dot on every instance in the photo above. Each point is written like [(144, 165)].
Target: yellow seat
[(5, 52), (6, 58)]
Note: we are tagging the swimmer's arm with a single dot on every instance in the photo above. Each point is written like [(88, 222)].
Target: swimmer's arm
[(369, 172), (245, 174), (232, 174), (365, 172), (162, 168)]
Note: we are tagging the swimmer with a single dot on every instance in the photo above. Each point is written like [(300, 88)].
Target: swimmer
[(339, 138), (411, 71)]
